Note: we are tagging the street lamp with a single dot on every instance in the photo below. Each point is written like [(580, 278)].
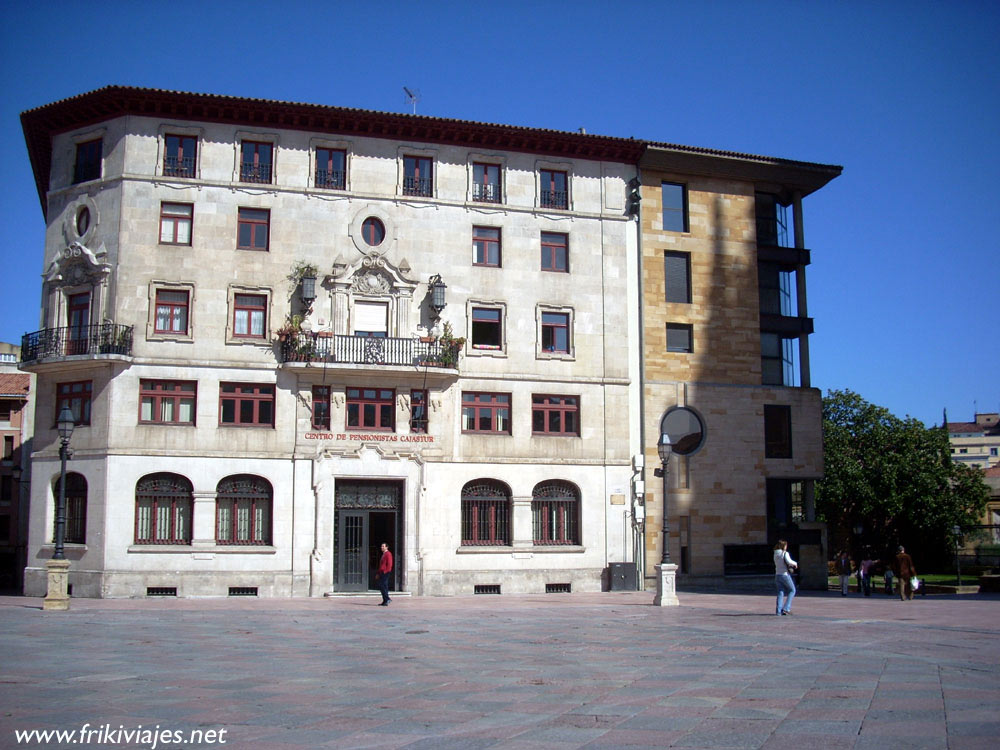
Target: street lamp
[(956, 530), (666, 579), (57, 596), (438, 288)]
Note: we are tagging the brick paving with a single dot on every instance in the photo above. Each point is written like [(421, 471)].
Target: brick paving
[(560, 671)]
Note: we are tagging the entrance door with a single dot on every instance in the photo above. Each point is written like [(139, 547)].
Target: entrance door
[(367, 514), (78, 320)]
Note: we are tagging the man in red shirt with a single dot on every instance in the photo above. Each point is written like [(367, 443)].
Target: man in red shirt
[(384, 569)]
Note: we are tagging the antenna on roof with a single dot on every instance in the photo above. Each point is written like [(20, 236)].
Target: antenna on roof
[(412, 97)]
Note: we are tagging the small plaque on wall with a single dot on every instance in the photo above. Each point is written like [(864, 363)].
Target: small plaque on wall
[(618, 499)]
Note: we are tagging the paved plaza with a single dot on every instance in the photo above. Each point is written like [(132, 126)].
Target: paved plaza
[(549, 671)]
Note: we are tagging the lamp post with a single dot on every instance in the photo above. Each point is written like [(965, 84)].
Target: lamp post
[(666, 579), (957, 531), (57, 596), (438, 288)]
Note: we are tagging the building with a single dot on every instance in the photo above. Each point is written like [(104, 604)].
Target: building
[(290, 332), (976, 443), (16, 418), (726, 362)]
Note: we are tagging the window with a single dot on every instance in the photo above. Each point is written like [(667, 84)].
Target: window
[(373, 231), (552, 189), (243, 510), (777, 432), (486, 509), (679, 338), (371, 409), (371, 319), (418, 411), (486, 183), (778, 356), (772, 220), (253, 229), (555, 513), (88, 161), (555, 415), (250, 315), (677, 276), (487, 413), (417, 176), (175, 223), (785, 506), (331, 168), (487, 328), (8, 446), (171, 311), (82, 221), (555, 252), (256, 161), (321, 407), (555, 332), (163, 509), (179, 155), (486, 246), (77, 397), (246, 404), (75, 531), (167, 401), (675, 216)]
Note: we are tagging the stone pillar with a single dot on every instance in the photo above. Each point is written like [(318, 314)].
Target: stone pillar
[(666, 586), (522, 536), (57, 596), (203, 520)]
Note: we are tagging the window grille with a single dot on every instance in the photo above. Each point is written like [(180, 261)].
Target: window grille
[(161, 591), (243, 591), (555, 513), (558, 588), (486, 513), (163, 510), (243, 511), (493, 588)]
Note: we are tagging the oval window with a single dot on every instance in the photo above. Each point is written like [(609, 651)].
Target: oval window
[(373, 231), (685, 429), (82, 221)]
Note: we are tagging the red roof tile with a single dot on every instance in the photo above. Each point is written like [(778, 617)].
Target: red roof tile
[(15, 384)]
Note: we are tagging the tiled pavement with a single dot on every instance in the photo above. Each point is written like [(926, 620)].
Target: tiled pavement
[(556, 671)]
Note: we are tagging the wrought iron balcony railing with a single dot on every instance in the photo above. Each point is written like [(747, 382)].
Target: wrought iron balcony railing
[(554, 199), (174, 167), (259, 172), (414, 186), (366, 350), (330, 178), (103, 338), (486, 193)]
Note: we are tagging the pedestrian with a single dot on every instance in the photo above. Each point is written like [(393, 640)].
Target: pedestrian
[(783, 567), (906, 572), (888, 579), (384, 569), (865, 571), (843, 565)]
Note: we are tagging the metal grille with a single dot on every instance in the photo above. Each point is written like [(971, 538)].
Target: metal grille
[(104, 338), (555, 513), (361, 350), (418, 186), (330, 178), (493, 588), (243, 591), (554, 199), (163, 510), (251, 172), (558, 588), (486, 513), (178, 167), (161, 591), (243, 510)]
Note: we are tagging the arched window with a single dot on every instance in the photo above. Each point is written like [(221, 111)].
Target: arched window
[(555, 513), (76, 508), (486, 513), (163, 509), (243, 510)]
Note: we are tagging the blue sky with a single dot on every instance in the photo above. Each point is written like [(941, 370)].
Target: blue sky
[(905, 95)]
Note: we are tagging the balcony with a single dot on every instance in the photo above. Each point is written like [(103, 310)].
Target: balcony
[(554, 199), (259, 172), (785, 325), (418, 186), (330, 178), (488, 193), (367, 351), (174, 167), (77, 341)]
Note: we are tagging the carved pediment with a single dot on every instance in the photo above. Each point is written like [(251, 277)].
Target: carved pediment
[(371, 274), (78, 264)]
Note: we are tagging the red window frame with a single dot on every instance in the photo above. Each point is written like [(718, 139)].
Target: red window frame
[(555, 514), (555, 252), (256, 161), (246, 405), (173, 312), (249, 496), (162, 491), (373, 231), (180, 155), (253, 229), (255, 308), (371, 409), (487, 328), (321, 407), (554, 188), (486, 514), (331, 168), (418, 176), (555, 415), (487, 413), (552, 324), (167, 396), (418, 411), (172, 217), (75, 531), (88, 161), (77, 396), (486, 246), (486, 182)]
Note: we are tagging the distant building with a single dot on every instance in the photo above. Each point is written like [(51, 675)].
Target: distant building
[(976, 443), (16, 418)]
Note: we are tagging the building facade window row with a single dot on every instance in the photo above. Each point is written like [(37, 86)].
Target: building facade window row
[(488, 514)]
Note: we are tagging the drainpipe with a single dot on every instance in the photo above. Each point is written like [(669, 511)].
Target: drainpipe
[(641, 561)]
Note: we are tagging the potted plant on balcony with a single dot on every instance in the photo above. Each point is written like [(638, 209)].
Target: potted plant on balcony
[(450, 347), (289, 328)]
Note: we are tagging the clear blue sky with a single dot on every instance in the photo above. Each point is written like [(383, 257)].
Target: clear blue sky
[(905, 95)]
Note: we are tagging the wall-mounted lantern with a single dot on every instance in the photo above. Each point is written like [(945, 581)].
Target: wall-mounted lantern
[(438, 288)]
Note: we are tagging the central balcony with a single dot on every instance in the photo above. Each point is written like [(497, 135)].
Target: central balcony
[(361, 352)]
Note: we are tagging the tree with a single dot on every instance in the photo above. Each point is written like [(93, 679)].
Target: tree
[(896, 478)]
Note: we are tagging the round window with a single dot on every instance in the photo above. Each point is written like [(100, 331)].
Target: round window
[(373, 231), (685, 429), (82, 221)]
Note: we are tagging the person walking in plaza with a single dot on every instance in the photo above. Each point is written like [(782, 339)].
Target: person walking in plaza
[(384, 569), (905, 572), (783, 567), (888, 578), (843, 565), (865, 571)]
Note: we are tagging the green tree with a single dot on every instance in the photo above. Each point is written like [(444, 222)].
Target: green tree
[(896, 478)]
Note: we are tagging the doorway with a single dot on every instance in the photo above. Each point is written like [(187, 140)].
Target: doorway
[(367, 513)]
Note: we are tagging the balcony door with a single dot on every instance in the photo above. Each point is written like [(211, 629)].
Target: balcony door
[(77, 322)]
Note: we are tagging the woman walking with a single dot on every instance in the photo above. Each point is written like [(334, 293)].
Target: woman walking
[(783, 567)]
